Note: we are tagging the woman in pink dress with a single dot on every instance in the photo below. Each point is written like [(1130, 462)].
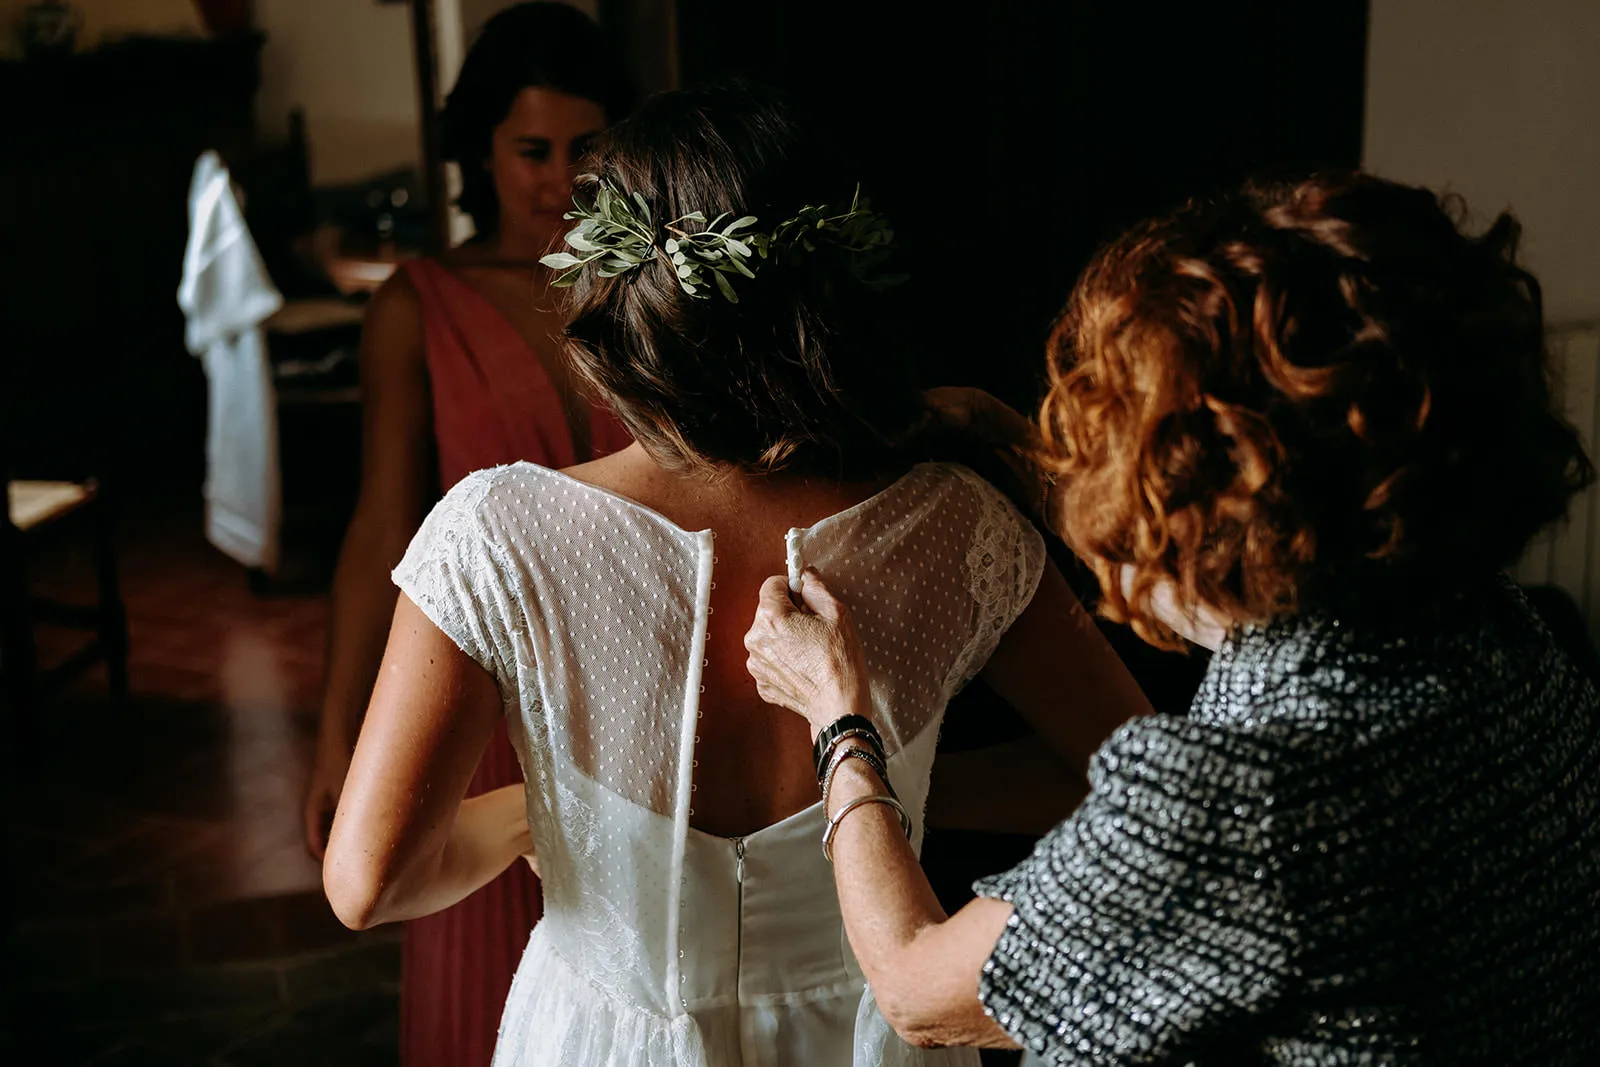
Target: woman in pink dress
[(459, 372)]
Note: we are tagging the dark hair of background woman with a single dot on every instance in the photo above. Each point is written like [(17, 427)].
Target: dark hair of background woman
[(1304, 391), (528, 46), (805, 372)]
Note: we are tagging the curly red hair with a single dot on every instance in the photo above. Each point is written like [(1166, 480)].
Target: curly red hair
[(1300, 389)]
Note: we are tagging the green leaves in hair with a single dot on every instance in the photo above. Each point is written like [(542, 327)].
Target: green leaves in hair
[(616, 233)]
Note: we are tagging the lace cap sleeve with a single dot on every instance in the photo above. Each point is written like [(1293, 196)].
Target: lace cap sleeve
[(1151, 922), (452, 572), (1004, 562)]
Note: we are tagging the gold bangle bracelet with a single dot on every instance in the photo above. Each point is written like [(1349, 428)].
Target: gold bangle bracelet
[(873, 798)]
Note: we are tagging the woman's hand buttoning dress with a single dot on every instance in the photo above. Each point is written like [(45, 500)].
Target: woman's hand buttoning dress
[(1309, 423)]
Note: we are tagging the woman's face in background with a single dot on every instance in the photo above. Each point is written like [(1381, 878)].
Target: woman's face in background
[(533, 162)]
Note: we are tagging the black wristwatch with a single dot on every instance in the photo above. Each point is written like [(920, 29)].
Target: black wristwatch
[(853, 725)]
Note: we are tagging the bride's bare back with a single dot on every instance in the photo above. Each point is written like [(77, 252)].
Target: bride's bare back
[(749, 769)]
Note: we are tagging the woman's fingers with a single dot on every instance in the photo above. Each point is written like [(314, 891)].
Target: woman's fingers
[(804, 657), (775, 613), (772, 608), (951, 404), (767, 691), (817, 596), (775, 601), (773, 684)]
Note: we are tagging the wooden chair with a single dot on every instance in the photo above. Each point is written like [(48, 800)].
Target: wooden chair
[(39, 512)]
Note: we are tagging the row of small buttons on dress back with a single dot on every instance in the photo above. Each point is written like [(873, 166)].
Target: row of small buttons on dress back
[(694, 764)]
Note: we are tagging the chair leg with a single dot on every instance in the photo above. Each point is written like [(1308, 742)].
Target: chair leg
[(113, 616), (19, 660)]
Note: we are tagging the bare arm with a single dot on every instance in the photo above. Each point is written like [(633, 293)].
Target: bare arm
[(405, 842), (925, 969), (397, 487), (922, 965), (1063, 678)]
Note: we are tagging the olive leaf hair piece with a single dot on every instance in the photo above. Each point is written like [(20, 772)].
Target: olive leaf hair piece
[(616, 233)]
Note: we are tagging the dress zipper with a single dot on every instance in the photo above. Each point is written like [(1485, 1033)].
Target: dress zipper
[(738, 876)]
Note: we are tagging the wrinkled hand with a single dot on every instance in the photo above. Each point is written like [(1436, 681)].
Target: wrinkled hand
[(322, 794), (806, 658)]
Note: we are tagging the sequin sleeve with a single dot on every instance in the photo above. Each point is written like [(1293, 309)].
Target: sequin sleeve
[(453, 572), (1151, 920)]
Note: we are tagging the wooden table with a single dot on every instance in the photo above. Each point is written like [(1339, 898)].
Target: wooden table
[(355, 267)]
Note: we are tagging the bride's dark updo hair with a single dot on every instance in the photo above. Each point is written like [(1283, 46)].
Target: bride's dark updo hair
[(801, 374)]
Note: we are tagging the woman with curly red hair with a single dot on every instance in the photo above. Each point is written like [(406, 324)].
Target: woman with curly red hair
[(1314, 421)]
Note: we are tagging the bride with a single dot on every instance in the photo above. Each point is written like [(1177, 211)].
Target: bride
[(727, 301)]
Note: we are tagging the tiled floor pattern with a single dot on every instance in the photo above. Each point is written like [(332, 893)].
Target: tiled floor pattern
[(164, 909)]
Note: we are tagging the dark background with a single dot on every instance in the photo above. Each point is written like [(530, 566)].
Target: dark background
[(1006, 140)]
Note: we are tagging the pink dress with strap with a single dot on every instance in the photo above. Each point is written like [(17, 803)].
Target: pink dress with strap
[(493, 403)]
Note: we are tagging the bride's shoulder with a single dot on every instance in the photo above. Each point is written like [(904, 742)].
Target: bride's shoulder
[(488, 499), (960, 480), (507, 481)]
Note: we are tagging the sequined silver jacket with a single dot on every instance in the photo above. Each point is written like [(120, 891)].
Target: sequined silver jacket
[(1365, 844)]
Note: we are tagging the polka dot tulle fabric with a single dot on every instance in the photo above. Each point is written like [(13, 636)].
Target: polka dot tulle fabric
[(661, 944)]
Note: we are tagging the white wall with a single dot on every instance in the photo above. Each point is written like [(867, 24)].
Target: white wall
[(349, 65), (1498, 100)]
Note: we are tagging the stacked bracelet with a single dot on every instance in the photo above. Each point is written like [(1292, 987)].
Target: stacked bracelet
[(838, 730), (874, 798), (830, 753), (866, 755)]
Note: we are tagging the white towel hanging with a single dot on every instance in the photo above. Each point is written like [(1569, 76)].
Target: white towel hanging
[(225, 296)]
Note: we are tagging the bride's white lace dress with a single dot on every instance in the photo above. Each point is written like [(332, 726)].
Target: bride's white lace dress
[(662, 945)]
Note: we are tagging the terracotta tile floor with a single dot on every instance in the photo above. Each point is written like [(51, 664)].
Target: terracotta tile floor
[(164, 909)]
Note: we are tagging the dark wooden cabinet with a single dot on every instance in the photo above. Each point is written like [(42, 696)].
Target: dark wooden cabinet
[(96, 152)]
